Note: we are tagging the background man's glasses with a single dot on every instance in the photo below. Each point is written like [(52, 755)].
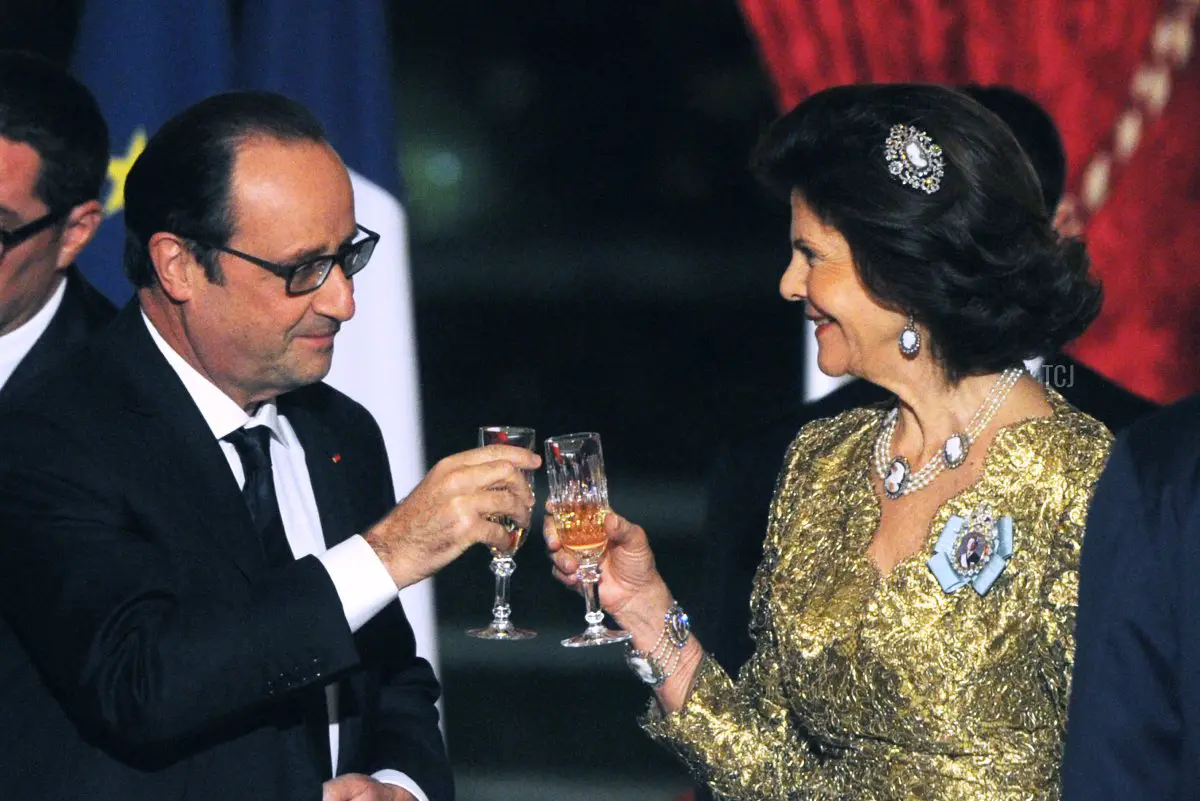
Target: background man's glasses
[(309, 276), (10, 239)]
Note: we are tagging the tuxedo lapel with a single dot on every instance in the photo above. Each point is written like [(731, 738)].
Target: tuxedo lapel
[(181, 457), (323, 460)]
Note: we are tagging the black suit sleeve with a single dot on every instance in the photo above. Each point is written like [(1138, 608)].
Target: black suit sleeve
[(404, 735), (1123, 722), (139, 656)]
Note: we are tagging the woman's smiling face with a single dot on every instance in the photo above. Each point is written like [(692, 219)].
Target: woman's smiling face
[(855, 334)]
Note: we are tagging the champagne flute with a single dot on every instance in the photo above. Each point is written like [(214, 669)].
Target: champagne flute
[(579, 500), (503, 565)]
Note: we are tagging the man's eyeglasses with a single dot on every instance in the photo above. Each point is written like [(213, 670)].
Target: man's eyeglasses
[(10, 239), (309, 276)]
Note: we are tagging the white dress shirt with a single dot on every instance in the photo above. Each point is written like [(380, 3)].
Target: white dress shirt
[(362, 582), (16, 344)]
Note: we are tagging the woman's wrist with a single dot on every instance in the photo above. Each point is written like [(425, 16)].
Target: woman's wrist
[(645, 618), (675, 690), (642, 616)]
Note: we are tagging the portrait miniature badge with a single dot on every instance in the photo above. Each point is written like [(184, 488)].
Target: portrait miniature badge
[(972, 550)]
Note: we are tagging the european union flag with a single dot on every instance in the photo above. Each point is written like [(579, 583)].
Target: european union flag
[(144, 62)]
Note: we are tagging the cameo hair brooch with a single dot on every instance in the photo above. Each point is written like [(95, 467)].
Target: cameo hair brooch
[(914, 158), (972, 550)]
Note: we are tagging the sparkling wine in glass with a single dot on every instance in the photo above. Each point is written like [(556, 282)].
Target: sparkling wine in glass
[(579, 500), (503, 565)]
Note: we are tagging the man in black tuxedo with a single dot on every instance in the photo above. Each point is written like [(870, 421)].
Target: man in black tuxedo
[(53, 163), (743, 479), (199, 549), (1133, 726)]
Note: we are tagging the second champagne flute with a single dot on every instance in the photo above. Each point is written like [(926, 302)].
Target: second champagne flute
[(579, 499), (503, 565)]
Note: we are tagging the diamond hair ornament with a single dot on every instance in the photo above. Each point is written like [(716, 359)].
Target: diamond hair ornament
[(914, 158)]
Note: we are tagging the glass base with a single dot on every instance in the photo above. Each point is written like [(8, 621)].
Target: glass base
[(597, 635), (506, 632)]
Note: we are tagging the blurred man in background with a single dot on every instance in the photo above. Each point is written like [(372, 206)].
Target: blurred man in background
[(1133, 724), (743, 478), (53, 164)]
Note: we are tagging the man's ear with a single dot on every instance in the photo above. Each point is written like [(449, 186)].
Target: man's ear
[(80, 227), (175, 266), (1067, 219)]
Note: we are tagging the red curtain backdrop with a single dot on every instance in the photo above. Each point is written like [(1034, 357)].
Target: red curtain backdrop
[(1120, 82)]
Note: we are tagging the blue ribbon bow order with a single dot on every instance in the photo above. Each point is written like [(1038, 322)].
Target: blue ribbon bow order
[(957, 560)]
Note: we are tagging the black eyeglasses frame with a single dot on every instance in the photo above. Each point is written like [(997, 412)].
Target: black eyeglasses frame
[(13, 238), (288, 272)]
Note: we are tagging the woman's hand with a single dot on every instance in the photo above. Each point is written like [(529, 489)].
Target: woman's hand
[(633, 592), (628, 564)]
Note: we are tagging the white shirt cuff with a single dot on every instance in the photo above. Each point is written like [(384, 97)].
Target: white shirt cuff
[(362, 582), (400, 780)]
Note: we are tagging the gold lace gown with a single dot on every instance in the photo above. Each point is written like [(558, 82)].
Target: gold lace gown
[(872, 688)]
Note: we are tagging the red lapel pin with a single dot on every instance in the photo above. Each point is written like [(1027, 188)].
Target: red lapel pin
[(337, 458)]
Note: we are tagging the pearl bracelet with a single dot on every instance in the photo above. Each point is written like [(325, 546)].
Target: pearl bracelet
[(658, 664)]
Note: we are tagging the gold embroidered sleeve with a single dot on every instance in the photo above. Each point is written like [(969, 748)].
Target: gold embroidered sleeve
[(1060, 585), (739, 737), (733, 737)]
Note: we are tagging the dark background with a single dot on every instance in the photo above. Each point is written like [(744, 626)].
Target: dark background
[(588, 252)]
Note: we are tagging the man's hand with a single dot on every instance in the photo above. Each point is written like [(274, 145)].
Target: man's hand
[(357, 787), (453, 508)]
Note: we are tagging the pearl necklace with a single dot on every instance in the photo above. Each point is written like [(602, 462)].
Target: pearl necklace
[(897, 475)]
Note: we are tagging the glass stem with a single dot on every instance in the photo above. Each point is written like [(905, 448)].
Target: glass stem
[(590, 577), (502, 568)]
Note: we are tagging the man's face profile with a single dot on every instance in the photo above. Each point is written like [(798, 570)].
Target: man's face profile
[(291, 201), (28, 270)]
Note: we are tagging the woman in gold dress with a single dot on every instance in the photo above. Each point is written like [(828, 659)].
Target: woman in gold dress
[(913, 612)]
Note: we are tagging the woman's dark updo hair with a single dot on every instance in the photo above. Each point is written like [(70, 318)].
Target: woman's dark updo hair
[(977, 262)]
